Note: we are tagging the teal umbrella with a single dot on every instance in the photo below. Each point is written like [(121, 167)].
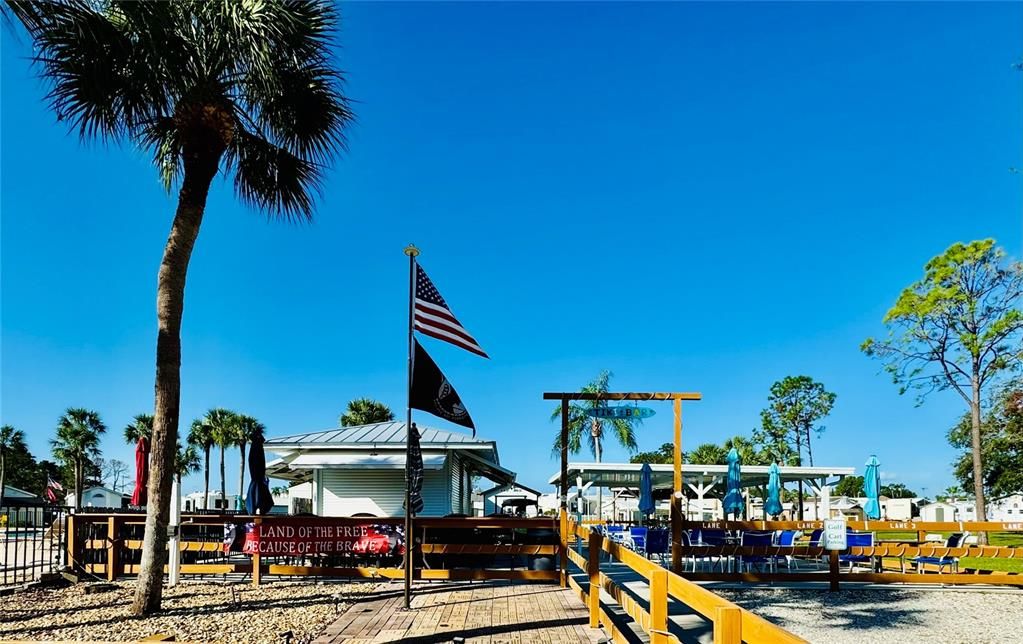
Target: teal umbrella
[(772, 505), (733, 500), (872, 487)]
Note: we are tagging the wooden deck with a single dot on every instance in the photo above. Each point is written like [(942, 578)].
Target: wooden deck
[(492, 612)]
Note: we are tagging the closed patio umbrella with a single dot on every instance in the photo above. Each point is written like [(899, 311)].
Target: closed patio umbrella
[(872, 488), (733, 499), (772, 506), (646, 490), (258, 499), (138, 495)]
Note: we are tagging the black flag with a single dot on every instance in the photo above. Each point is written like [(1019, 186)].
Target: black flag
[(414, 471), (431, 392)]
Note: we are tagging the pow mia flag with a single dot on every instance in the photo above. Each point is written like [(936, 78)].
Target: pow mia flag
[(431, 391), (414, 471)]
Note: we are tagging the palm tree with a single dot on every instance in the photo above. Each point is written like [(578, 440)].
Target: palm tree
[(77, 443), (579, 419), (247, 88), (9, 437), (363, 411), (246, 428), (140, 427), (186, 461), (707, 454), (201, 437), (223, 425)]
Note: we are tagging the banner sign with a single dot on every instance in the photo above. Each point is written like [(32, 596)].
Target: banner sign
[(834, 537), (359, 539), (620, 412)]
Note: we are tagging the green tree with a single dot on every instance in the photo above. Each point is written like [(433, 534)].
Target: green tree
[(249, 89), (707, 454), (10, 440), (186, 461), (140, 427), (1001, 444), (850, 486), (957, 328), (664, 454), (795, 407), (247, 428), (201, 436), (897, 491), (579, 421), (365, 411), (223, 431), (77, 444)]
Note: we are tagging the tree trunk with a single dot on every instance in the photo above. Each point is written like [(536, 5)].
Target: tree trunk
[(799, 462), (241, 472), (809, 448), (206, 482), (978, 471), (202, 151), (223, 481), (3, 476), (78, 484)]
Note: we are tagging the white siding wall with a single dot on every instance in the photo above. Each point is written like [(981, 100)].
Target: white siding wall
[(454, 467), (379, 492)]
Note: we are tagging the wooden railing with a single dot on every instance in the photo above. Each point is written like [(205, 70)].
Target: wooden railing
[(731, 623), (443, 548)]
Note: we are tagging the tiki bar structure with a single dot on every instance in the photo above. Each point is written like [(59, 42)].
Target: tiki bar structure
[(350, 537)]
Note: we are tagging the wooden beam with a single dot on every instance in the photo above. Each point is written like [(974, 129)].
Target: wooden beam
[(578, 395), (113, 558), (485, 549), (728, 625), (563, 524), (676, 502), (593, 572), (659, 607), (465, 574)]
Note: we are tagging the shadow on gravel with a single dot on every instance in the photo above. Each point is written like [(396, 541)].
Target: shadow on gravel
[(848, 609)]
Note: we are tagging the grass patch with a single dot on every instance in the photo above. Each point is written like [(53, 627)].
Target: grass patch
[(1012, 539)]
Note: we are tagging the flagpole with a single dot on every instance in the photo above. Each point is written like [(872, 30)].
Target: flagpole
[(412, 252)]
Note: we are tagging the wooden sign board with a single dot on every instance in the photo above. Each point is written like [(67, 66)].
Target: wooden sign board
[(625, 411)]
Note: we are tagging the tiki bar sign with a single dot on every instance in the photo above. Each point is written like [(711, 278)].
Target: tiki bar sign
[(360, 539), (620, 412)]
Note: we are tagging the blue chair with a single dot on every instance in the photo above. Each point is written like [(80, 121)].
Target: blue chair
[(637, 538), (657, 543), (788, 538), (616, 533), (857, 540), (714, 537), (756, 539), (815, 542), (953, 541)]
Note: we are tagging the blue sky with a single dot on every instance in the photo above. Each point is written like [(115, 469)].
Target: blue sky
[(698, 197)]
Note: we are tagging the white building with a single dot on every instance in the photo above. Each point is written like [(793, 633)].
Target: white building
[(360, 471), (1009, 509), (214, 501), (939, 511), (22, 507), (100, 497)]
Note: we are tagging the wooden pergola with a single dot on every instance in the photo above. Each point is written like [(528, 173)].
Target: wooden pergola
[(676, 497)]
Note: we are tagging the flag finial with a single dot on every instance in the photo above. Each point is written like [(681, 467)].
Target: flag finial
[(411, 250)]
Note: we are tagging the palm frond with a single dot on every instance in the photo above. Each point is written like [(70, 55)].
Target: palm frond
[(272, 178)]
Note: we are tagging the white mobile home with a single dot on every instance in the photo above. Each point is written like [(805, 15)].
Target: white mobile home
[(100, 497), (360, 471), (939, 512)]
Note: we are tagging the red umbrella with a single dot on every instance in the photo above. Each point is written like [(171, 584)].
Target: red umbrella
[(138, 496)]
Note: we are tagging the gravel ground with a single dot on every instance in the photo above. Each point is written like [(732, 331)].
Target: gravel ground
[(890, 615), (193, 611)]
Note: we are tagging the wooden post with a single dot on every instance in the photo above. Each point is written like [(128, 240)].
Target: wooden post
[(113, 553), (659, 606), (728, 625), (833, 569), (676, 501), (71, 544), (257, 572), (563, 530), (593, 570)]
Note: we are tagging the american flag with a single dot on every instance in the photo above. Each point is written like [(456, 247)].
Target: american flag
[(52, 485), (434, 318)]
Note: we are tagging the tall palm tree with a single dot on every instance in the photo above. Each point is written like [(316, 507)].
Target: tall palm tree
[(140, 427), (363, 411), (186, 461), (9, 437), (247, 88), (223, 424), (246, 428), (201, 436), (707, 454), (77, 443), (579, 421)]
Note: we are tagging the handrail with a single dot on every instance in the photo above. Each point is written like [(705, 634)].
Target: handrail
[(864, 526)]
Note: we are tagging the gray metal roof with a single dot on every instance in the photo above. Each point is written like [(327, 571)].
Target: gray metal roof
[(376, 434)]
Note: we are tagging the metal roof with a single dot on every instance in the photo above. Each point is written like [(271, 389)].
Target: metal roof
[(385, 435), (627, 474)]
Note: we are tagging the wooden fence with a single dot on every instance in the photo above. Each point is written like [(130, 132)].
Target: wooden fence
[(443, 548), (731, 623)]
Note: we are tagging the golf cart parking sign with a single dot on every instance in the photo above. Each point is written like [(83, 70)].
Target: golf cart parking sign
[(834, 534)]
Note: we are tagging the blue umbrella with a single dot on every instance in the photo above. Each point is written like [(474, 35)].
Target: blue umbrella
[(733, 500), (772, 505), (872, 487), (646, 489), (258, 497)]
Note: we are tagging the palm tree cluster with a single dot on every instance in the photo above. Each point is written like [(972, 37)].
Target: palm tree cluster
[(77, 444), (365, 411)]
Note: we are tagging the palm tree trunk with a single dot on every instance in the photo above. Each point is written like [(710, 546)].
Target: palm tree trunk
[(241, 472), (206, 482), (223, 481), (201, 157), (3, 475), (799, 461), (78, 484)]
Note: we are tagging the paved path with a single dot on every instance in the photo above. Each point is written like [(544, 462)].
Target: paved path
[(483, 612)]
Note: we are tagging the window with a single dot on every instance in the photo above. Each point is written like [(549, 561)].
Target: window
[(219, 504)]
